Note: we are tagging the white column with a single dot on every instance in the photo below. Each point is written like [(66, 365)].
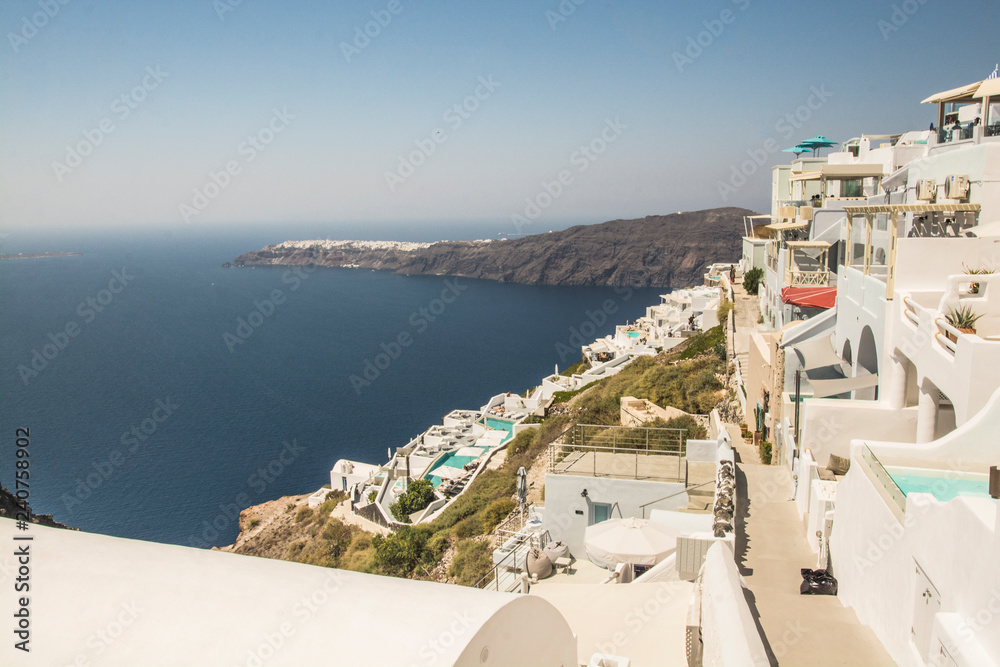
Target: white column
[(895, 382), (927, 411)]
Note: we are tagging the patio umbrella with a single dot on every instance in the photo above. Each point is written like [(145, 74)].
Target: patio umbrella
[(630, 540), (522, 487), (819, 141), (798, 150), (448, 472)]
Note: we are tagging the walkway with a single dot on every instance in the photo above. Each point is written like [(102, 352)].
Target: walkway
[(344, 513), (747, 310), (812, 630)]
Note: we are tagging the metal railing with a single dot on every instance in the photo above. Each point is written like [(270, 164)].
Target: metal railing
[(619, 451), (505, 576)]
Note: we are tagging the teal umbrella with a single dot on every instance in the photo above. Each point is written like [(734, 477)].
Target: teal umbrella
[(798, 150), (816, 142)]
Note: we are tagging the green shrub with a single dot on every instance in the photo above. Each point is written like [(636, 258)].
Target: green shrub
[(468, 527), (305, 513), (372, 495), (254, 522), (471, 563), (398, 554), (703, 342), (751, 280), (725, 307), (765, 453), (337, 536), (496, 512), (695, 431), (437, 545), (419, 494), (336, 497), (581, 366), (522, 441), (360, 554)]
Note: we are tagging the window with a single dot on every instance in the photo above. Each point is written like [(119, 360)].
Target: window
[(599, 512), (850, 188)]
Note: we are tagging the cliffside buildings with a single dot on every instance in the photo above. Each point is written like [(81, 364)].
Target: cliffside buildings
[(880, 344)]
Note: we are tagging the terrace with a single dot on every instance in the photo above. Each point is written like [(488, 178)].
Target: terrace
[(620, 453), (969, 113), (806, 265), (959, 365)]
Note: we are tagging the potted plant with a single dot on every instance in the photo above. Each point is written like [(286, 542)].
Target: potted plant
[(758, 434), (974, 287), (963, 319)]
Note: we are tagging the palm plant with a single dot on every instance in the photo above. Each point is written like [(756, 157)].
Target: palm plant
[(963, 318), (974, 287)]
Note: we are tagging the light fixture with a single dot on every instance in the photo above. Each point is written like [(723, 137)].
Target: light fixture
[(583, 494)]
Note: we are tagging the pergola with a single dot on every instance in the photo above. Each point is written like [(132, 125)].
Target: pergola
[(841, 172), (795, 276), (987, 90), (893, 211)]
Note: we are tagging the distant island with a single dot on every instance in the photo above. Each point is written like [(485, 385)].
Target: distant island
[(655, 251), (36, 255)]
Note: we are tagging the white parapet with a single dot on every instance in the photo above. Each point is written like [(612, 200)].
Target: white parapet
[(104, 600)]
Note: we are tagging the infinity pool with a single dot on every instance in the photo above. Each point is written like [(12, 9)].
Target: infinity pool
[(942, 484), (501, 425), (453, 460)]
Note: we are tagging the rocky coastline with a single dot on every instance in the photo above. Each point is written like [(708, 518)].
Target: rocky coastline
[(667, 251)]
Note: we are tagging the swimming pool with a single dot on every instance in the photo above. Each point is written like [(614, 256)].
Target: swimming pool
[(633, 334), (942, 484), (450, 459), (501, 425)]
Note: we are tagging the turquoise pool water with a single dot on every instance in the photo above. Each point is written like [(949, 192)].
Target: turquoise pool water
[(501, 425), (942, 488), (453, 460), (633, 334)]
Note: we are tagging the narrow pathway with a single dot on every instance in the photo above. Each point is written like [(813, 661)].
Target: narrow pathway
[(813, 630)]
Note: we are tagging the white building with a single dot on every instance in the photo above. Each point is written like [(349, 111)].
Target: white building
[(890, 381), (680, 313)]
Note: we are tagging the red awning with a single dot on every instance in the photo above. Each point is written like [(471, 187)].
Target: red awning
[(810, 297)]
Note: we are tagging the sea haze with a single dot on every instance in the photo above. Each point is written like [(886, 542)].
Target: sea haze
[(281, 397)]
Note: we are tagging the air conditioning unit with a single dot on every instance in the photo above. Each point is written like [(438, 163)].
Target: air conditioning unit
[(926, 189), (956, 186)]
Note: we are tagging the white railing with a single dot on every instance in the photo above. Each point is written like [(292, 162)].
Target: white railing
[(807, 278)]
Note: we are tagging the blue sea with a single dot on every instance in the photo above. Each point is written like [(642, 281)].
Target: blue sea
[(163, 393)]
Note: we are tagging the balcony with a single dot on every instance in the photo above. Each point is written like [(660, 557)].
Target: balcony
[(953, 366), (806, 264), (621, 453)]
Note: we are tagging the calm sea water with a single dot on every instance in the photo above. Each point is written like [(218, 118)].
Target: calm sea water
[(154, 414)]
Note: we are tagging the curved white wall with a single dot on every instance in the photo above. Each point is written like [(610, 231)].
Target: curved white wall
[(104, 600)]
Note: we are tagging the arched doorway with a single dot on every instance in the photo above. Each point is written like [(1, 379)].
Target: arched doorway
[(867, 363)]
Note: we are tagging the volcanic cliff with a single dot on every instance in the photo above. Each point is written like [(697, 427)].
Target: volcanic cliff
[(655, 251)]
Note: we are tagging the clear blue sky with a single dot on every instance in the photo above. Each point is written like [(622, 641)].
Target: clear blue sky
[(681, 125)]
